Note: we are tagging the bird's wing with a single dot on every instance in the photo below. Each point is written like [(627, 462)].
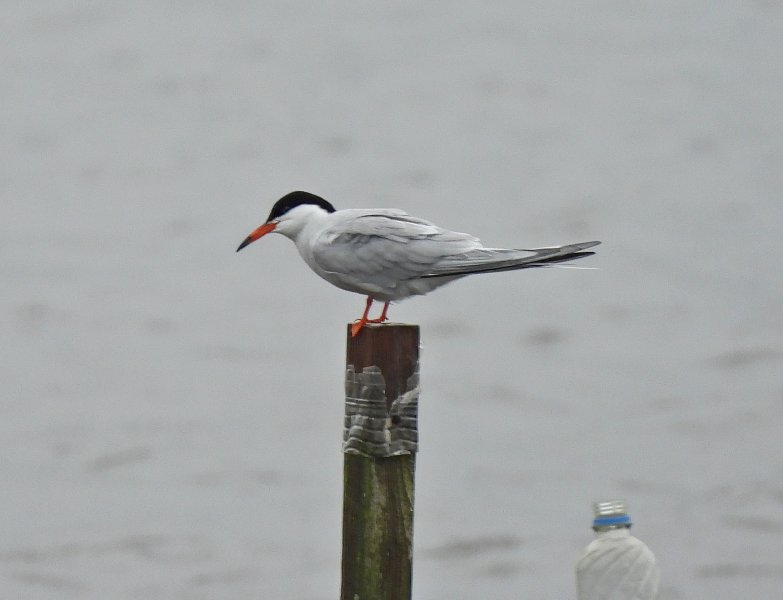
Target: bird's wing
[(488, 260), (381, 248)]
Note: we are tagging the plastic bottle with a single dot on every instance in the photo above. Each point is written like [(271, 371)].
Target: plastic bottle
[(616, 565)]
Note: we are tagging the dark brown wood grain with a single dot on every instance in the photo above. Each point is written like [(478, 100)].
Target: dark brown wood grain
[(394, 348)]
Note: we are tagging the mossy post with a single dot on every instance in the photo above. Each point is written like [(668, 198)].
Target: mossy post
[(379, 444)]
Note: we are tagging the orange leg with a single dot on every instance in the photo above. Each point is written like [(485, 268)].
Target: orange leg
[(383, 316), (363, 320)]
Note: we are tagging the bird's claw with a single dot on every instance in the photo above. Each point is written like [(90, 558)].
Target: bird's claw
[(360, 323)]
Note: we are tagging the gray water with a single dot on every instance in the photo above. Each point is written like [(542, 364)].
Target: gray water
[(171, 415)]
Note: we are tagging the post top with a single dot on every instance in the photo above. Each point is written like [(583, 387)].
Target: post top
[(386, 325)]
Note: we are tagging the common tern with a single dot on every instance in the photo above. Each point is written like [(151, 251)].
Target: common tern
[(387, 254)]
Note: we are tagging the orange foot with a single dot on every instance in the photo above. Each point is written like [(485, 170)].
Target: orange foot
[(357, 327), (361, 322)]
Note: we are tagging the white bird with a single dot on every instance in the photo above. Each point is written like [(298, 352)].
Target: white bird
[(387, 254)]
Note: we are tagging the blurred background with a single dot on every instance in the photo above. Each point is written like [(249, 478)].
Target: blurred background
[(172, 411)]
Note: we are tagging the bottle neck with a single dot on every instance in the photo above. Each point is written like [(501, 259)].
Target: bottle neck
[(613, 532)]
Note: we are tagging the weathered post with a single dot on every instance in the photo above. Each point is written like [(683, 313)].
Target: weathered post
[(379, 444)]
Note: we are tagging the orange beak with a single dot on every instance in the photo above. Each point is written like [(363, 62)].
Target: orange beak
[(257, 233)]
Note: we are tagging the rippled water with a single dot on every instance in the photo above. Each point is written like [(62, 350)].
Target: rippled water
[(171, 421)]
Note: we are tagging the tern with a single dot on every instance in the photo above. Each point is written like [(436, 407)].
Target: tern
[(387, 254)]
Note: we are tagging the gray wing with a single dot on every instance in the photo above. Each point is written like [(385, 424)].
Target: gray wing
[(489, 260), (381, 248)]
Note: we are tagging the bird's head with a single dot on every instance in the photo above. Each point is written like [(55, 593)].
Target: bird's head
[(289, 215)]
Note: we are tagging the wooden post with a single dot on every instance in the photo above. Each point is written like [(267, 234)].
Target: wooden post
[(380, 442)]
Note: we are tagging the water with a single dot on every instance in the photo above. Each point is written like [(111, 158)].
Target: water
[(171, 430)]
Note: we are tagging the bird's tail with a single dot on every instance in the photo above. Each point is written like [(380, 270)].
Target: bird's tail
[(491, 260)]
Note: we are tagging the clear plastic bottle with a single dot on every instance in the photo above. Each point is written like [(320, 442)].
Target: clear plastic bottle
[(616, 565)]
